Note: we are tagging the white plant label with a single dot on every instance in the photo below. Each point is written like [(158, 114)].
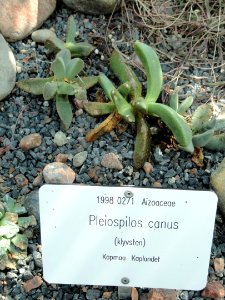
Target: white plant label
[(126, 236)]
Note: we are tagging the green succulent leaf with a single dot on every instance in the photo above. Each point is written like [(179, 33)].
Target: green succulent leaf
[(173, 101), (125, 73), (201, 139), (9, 203), (20, 241), (142, 143), (180, 128), (12, 217), (74, 68), (54, 44), (58, 68), (99, 109), (64, 88), (25, 222), (64, 110), (49, 90), (4, 246), (141, 105), (17, 253), (81, 49), (71, 30), (185, 105), (124, 109), (34, 86), (216, 142), (151, 64), (2, 210), (13, 207), (106, 85), (86, 82), (125, 89), (8, 229), (80, 93), (202, 118), (65, 55), (220, 121)]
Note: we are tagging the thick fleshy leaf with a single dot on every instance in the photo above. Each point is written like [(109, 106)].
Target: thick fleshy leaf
[(107, 125), (99, 109), (125, 73), (4, 246), (9, 203), (8, 229), (217, 142), (151, 64), (54, 44), (173, 101), (220, 120), (25, 222), (49, 90), (87, 81), (64, 110), (58, 68), (142, 143), (201, 139), (17, 253), (6, 262), (74, 68), (33, 85), (65, 55), (141, 105), (64, 88), (20, 241), (106, 85), (12, 217), (80, 93), (71, 30), (176, 123), (125, 89), (123, 108), (203, 118), (185, 105), (80, 49), (2, 210)]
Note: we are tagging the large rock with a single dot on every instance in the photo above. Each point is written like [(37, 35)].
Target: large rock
[(217, 181), (96, 7), (21, 17), (7, 68)]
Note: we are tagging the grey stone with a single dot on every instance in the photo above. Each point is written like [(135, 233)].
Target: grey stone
[(93, 294), (37, 259), (7, 69), (60, 138), (217, 181), (32, 204), (96, 7), (42, 35), (79, 158), (27, 275), (170, 173)]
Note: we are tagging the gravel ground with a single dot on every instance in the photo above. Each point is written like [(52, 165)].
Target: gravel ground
[(22, 114)]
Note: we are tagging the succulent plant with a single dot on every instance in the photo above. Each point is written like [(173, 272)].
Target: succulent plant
[(208, 127), (126, 102), (64, 83), (13, 242), (81, 49)]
